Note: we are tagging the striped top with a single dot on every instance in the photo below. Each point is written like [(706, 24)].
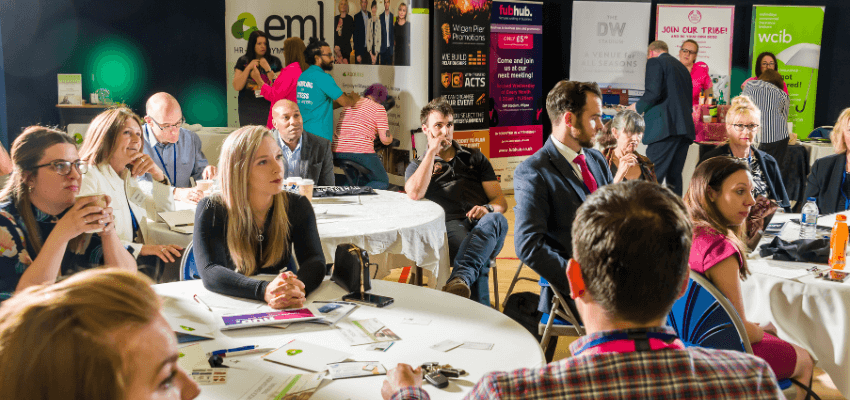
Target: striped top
[(358, 126), (773, 103)]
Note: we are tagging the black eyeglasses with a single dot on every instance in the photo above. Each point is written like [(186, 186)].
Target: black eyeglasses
[(741, 127), (688, 51), (768, 64), (175, 125), (64, 167)]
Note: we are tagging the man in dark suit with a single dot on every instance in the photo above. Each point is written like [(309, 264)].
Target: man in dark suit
[(551, 184), (361, 54), (387, 35), (667, 106), (305, 154)]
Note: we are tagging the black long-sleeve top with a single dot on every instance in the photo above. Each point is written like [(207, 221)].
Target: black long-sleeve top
[(217, 269)]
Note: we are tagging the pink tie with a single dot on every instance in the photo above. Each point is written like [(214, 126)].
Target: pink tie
[(589, 181)]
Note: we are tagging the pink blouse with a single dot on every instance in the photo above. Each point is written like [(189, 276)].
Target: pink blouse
[(700, 79), (284, 87), (709, 248)]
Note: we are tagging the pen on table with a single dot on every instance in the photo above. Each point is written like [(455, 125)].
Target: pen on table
[(199, 301), (240, 351)]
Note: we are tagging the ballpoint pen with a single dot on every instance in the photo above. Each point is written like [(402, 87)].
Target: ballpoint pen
[(199, 301)]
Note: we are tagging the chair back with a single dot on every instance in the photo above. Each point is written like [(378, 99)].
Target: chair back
[(703, 317), (188, 268)]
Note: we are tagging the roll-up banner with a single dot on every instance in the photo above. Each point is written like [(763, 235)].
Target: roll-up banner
[(461, 36), (793, 34), (516, 94), (711, 27), (403, 70), (608, 43)]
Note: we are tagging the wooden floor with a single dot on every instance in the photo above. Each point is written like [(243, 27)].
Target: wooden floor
[(506, 265)]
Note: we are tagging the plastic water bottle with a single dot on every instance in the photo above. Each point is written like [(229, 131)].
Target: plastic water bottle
[(809, 220)]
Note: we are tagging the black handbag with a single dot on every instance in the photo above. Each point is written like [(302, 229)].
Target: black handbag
[(351, 268)]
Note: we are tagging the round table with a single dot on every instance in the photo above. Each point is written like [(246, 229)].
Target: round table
[(447, 317), (807, 311), (395, 230)]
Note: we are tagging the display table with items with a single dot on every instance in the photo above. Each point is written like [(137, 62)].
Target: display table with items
[(421, 326), (710, 122), (807, 310), (395, 230)]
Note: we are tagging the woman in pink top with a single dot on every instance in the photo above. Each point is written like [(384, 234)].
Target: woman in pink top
[(765, 61), (284, 86), (699, 71), (718, 201)]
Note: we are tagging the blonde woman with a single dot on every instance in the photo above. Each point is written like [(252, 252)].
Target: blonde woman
[(96, 335), (829, 182), (742, 125), (42, 224), (113, 151), (251, 226)]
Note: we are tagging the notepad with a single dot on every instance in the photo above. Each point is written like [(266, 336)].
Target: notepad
[(305, 355), (182, 221)]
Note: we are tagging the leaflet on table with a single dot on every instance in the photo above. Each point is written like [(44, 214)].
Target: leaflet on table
[(271, 387), (305, 355), (253, 318), (192, 357), (188, 330), (367, 331), (333, 311), (779, 269), (355, 369)]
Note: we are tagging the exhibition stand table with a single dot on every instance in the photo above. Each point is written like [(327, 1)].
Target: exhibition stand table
[(419, 316)]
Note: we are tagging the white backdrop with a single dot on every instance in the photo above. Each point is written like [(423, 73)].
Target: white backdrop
[(609, 43)]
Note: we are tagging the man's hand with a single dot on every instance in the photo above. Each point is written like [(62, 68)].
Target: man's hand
[(477, 213), (401, 376), (436, 142), (209, 172), (189, 195)]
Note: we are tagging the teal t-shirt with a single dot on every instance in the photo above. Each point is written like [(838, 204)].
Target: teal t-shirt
[(316, 94)]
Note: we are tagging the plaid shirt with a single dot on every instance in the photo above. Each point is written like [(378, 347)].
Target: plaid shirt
[(680, 373)]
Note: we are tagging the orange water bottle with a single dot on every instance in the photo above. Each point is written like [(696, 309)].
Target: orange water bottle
[(838, 243)]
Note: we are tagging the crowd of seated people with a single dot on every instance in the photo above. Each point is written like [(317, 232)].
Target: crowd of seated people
[(582, 218)]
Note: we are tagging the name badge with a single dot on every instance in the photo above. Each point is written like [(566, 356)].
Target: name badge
[(258, 93), (136, 196)]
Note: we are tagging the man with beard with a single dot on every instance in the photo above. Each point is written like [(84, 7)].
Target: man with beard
[(551, 185), (318, 94), (462, 181), (300, 147)]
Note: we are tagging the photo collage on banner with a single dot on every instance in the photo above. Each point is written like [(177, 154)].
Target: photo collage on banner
[(794, 35), (608, 44), (516, 101), (461, 35), (711, 27), (400, 55)]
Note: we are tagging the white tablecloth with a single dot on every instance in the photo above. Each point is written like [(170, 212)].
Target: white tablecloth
[(395, 230), (809, 312), (450, 317), (818, 150)]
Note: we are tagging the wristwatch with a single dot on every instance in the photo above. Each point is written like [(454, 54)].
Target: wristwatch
[(488, 207)]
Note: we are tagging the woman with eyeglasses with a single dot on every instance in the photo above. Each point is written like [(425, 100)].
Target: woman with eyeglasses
[(42, 226), (742, 124), (699, 71), (623, 159), (113, 151), (829, 181), (764, 62)]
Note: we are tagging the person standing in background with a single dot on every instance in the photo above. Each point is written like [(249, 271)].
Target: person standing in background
[(764, 62), (402, 37), (387, 35), (253, 108), (361, 53), (667, 113), (766, 92), (284, 86), (343, 30), (318, 94), (699, 71), (373, 36)]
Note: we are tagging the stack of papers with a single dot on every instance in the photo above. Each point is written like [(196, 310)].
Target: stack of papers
[(367, 331), (182, 221)]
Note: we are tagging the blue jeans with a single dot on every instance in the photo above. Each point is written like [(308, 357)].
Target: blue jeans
[(377, 178), (471, 247)]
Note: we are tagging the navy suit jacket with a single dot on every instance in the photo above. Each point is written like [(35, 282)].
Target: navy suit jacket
[(387, 46), (548, 193), (824, 183), (360, 33), (667, 102)]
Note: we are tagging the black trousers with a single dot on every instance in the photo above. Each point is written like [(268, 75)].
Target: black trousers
[(669, 157)]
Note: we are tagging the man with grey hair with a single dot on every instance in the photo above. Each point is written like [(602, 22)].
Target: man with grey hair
[(174, 149), (666, 108)]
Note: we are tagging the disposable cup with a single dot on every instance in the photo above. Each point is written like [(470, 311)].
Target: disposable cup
[(306, 188)]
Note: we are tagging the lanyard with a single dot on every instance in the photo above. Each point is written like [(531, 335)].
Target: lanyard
[(165, 167), (638, 339), (843, 193)]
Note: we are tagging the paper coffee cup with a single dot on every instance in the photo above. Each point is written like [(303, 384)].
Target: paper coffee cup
[(306, 188), (204, 184), (292, 183), (100, 202)]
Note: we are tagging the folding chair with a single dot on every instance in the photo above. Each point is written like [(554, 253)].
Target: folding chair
[(704, 317), (516, 279), (560, 321), (188, 268)]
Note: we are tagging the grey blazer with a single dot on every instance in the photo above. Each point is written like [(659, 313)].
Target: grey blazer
[(317, 152)]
